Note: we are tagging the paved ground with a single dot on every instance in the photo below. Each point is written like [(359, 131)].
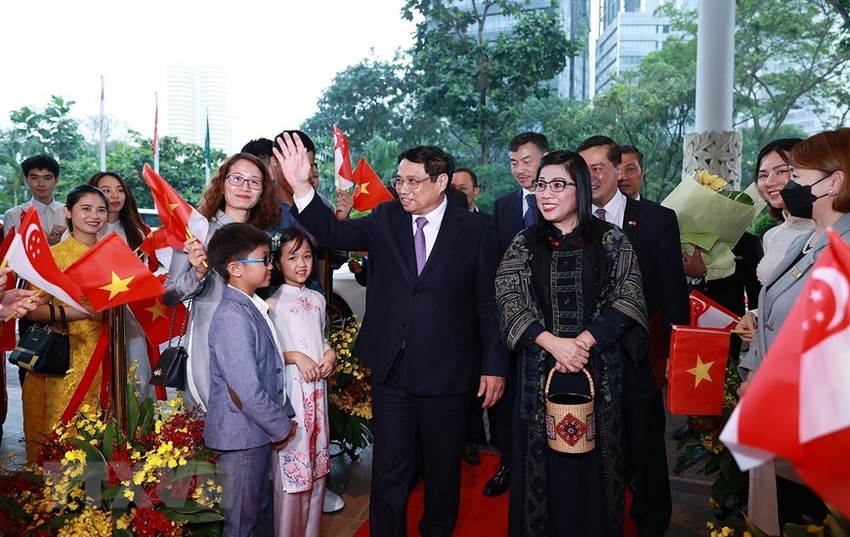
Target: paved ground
[(351, 479)]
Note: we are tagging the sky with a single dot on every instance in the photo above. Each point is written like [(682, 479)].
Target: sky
[(279, 55)]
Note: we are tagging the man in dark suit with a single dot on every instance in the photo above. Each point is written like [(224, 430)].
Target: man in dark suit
[(654, 233), (512, 213), (430, 332), (466, 181)]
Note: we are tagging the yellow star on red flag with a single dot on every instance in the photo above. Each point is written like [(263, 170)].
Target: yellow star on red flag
[(118, 285), (157, 310), (701, 371)]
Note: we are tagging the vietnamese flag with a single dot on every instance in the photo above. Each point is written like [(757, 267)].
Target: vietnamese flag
[(370, 191), (697, 370), (707, 313), (30, 257), (155, 317), (110, 274), (180, 220), (8, 340), (157, 247), (342, 161), (797, 405)]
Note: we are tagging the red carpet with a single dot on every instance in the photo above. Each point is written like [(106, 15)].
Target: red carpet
[(478, 515)]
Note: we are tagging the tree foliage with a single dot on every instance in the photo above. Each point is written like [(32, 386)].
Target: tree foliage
[(476, 82), (367, 99), (51, 130)]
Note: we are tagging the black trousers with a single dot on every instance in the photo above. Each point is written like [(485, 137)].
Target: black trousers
[(413, 433), (645, 450)]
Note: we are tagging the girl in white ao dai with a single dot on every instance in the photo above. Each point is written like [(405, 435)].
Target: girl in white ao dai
[(300, 468)]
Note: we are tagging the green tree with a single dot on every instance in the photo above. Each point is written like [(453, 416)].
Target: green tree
[(49, 130), (652, 108), (369, 99), (475, 82)]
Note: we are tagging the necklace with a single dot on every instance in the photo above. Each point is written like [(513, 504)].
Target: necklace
[(808, 246)]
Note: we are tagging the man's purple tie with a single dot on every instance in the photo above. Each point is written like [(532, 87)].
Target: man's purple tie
[(419, 243), (530, 213), (600, 212)]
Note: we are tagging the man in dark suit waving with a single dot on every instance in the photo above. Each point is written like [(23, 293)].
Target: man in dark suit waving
[(430, 332), (654, 233)]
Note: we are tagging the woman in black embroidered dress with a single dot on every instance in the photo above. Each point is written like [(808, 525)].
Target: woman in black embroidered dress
[(570, 297)]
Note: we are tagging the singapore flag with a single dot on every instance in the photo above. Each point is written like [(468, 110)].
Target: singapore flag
[(30, 257)]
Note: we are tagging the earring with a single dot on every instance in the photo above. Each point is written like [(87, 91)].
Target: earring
[(831, 193)]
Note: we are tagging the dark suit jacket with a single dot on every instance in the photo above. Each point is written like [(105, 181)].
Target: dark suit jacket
[(654, 233), (445, 318), (507, 218)]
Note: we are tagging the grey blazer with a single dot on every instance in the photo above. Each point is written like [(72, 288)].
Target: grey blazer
[(781, 290), (181, 285), (247, 406)]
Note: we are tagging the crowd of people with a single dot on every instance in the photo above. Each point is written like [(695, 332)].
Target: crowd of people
[(573, 273)]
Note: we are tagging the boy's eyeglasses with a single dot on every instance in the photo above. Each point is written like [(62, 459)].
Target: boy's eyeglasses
[(265, 260)]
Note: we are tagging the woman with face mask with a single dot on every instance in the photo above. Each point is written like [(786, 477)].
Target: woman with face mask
[(818, 189)]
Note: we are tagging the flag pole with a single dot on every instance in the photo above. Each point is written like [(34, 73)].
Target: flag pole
[(207, 149), (156, 132), (120, 375), (102, 128)]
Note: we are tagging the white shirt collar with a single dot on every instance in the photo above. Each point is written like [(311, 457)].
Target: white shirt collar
[(259, 302), (615, 208), (435, 217)]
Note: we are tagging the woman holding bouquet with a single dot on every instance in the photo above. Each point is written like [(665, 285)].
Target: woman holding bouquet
[(818, 189), (240, 191), (570, 297)]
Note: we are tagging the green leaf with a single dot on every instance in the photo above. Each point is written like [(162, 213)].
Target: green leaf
[(110, 437), (201, 517), (8, 504), (195, 468), (132, 411), (92, 453)]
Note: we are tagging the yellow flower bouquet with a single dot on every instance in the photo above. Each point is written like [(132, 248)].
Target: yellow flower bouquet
[(349, 393), (713, 219), (93, 478)]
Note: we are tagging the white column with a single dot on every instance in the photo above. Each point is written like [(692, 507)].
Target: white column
[(714, 146)]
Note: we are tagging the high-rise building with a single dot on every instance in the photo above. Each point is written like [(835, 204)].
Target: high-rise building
[(192, 94), (627, 30)]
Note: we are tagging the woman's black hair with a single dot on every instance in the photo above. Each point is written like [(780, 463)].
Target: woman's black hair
[(783, 147), (78, 192), (577, 170)]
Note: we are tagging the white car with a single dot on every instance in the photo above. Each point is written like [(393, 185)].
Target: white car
[(348, 298)]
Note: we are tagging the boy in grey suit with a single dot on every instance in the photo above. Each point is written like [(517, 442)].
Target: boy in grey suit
[(248, 415)]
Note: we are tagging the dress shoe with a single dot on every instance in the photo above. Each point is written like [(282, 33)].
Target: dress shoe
[(499, 483), (471, 454), (333, 502), (681, 432)]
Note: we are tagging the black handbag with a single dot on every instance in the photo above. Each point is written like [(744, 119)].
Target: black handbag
[(170, 368), (44, 348)]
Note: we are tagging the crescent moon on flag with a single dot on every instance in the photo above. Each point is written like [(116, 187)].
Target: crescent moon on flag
[(840, 289), (30, 230)]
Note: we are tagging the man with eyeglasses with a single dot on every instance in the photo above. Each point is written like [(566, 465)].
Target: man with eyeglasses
[(654, 233), (512, 213), (430, 333)]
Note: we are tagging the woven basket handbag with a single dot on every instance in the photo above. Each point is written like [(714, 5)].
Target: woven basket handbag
[(570, 420)]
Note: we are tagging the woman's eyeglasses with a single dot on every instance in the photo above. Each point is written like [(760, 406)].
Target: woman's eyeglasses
[(237, 179), (555, 185)]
